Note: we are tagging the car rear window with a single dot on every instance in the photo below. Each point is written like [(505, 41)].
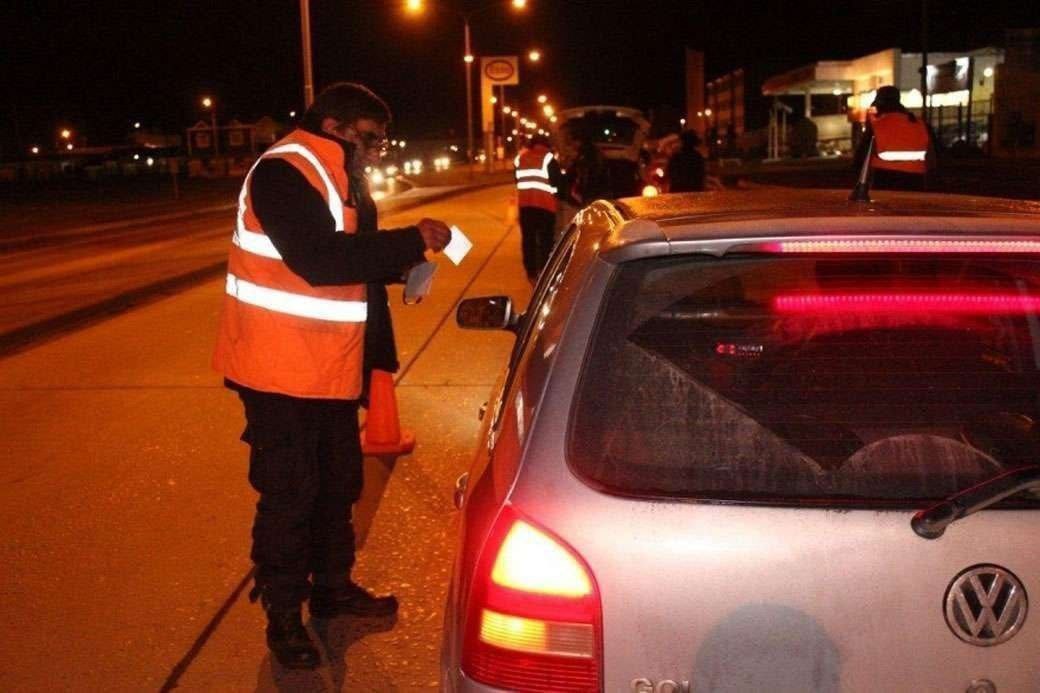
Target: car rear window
[(812, 378)]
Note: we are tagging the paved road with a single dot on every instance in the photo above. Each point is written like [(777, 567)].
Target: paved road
[(60, 278), (126, 511)]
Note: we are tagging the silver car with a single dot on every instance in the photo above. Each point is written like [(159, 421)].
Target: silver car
[(761, 441)]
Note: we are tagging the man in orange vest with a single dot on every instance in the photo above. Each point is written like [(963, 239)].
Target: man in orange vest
[(305, 315), (903, 151), (538, 181)]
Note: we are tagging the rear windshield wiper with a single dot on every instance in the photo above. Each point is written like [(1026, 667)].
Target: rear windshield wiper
[(932, 522)]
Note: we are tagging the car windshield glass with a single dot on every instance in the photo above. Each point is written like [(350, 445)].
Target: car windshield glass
[(854, 379)]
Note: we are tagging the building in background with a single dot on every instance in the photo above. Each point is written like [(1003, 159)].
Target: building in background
[(836, 94), (724, 113)]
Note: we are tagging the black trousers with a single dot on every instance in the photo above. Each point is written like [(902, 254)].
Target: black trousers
[(306, 464), (536, 230)]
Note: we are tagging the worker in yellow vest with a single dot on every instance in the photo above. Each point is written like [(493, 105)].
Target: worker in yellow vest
[(538, 182), (902, 148), (305, 317)]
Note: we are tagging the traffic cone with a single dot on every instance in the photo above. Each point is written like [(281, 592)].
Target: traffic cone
[(383, 434)]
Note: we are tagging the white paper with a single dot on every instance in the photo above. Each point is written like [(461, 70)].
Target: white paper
[(419, 282), (458, 246)]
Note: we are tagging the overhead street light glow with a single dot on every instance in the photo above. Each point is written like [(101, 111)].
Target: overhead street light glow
[(414, 6), (542, 98), (35, 150), (66, 134), (534, 56), (468, 58), (206, 102), (519, 4)]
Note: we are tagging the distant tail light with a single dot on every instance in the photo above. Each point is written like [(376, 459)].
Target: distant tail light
[(533, 619)]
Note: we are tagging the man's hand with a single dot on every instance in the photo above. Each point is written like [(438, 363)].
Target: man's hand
[(435, 234)]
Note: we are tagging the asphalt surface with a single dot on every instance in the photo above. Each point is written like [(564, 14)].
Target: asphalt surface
[(60, 278), (126, 509)]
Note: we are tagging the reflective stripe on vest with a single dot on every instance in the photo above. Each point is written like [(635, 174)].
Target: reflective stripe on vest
[(908, 155), (536, 185), (260, 244), (295, 304)]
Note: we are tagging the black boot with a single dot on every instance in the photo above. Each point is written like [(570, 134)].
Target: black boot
[(351, 599), (288, 640)]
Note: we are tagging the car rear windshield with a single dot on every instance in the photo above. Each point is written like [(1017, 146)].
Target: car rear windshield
[(850, 379)]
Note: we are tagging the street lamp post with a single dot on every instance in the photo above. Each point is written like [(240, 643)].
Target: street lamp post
[(468, 58), (207, 102), (305, 35)]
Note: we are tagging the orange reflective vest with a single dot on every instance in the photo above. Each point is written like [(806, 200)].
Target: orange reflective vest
[(899, 144), (277, 332), (533, 188)]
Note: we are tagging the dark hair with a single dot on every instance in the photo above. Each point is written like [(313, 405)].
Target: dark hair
[(690, 139), (887, 101), (345, 102)]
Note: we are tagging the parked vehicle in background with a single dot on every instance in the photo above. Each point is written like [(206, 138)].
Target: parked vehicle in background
[(732, 444), (619, 134)]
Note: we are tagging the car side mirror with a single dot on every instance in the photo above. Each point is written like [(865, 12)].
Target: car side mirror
[(487, 313)]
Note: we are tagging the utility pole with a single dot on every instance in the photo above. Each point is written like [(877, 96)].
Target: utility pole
[(468, 58), (305, 35), (925, 112)]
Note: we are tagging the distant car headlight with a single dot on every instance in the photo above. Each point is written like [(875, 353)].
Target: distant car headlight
[(651, 191), (376, 177)]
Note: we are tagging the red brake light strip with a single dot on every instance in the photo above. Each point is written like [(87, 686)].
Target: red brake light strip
[(881, 245), (975, 304)]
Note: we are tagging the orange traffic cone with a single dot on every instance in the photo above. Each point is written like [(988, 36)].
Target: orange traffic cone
[(383, 434)]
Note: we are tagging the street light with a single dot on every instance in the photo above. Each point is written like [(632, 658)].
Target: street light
[(534, 55), (416, 7), (208, 103), (35, 150), (66, 133), (542, 98)]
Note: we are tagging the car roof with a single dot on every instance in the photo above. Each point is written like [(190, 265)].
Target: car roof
[(644, 226), (790, 203)]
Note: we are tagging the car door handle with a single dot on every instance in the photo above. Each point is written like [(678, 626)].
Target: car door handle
[(460, 489)]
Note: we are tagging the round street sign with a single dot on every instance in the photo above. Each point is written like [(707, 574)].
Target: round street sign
[(499, 70)]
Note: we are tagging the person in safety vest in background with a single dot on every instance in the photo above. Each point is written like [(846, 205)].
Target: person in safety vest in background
[(538, 182), (904, 152), (305, 315)]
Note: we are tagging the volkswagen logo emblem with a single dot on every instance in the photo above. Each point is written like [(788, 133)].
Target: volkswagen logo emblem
[(986, 605)]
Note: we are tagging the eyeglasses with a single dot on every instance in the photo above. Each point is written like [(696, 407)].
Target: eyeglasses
[(373, 140)]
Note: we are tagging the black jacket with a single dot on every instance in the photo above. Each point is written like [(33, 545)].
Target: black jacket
[(296, 219)]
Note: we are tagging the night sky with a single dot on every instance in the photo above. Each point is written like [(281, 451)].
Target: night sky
[(98, 66)]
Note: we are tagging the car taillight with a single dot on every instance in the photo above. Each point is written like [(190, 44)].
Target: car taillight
[(533, 619)]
